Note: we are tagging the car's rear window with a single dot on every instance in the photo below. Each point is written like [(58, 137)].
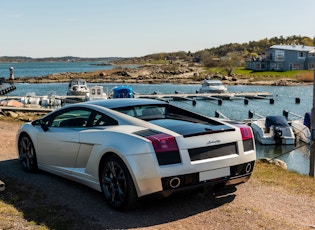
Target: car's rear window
[(153, 112)]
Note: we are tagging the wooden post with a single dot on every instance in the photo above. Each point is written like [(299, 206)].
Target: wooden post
[(312, 147)]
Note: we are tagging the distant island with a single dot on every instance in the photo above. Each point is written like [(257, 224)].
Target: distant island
[(208, 57), (105, 60)]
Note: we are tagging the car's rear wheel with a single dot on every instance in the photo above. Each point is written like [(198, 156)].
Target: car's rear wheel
[(27, 154), (117, 184)]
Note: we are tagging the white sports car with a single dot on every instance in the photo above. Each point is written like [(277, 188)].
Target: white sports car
[(130, 148)]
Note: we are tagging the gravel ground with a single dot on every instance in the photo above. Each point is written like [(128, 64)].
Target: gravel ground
[(252, 205)]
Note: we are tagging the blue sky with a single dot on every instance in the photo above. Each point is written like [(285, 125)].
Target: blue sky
[(128, 28)]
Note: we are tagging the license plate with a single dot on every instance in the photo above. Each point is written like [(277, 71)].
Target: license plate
[(212, 174)]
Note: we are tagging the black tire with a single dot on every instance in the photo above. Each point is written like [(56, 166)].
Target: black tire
[(27, 154), (117, 184)]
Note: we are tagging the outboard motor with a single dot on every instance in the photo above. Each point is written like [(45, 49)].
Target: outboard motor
[(277, 135), (307, 120)]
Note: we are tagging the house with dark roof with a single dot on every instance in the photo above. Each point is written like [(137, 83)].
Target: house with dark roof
[(283, 58)]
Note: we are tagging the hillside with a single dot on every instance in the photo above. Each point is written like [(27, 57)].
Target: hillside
[(207, 56)]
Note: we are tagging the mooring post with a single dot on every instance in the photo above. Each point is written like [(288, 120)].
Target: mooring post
[(11, 73), (312, 147)]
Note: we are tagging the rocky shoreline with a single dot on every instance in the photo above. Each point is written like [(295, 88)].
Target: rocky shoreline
[(155, 74)]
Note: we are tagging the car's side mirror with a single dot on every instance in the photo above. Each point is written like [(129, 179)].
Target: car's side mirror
[(41, 123)]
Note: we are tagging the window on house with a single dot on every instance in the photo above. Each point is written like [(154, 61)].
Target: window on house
[(311, 65), (258, 66), (296, 66), (278, 66), (301, 54)]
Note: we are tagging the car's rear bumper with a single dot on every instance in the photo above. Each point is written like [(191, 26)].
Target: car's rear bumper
[(239, 174)]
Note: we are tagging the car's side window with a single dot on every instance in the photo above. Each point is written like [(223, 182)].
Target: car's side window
[(103, 120), (72, 118)]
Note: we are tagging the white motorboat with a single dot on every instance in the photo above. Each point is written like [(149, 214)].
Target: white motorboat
[(96, 93), (273, 130), (212, 86), (301, 128), (77, 87)]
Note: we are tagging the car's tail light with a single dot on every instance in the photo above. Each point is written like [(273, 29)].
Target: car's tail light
[(246, 132), (247, 137), (163, 142), (166, 148)]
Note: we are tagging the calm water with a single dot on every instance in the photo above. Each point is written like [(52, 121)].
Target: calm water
[(297, 158), (34, 69)]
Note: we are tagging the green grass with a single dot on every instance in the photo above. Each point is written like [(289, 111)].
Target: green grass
[(269, 174), (159, 62), (262, 75), (282, 74)]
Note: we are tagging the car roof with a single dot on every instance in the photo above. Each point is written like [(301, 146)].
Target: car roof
[(124, 102)]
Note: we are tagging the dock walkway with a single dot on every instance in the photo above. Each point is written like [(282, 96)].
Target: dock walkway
[(249, 95), (175, 96)]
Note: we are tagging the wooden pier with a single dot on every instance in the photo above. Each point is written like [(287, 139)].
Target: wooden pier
[(208, 96), (193, 97)]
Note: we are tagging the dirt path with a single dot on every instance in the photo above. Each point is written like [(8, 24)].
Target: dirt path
[(253, 205)]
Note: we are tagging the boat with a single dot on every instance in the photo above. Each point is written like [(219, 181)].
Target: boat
[(212, 86), (77, 87), (301, 128), (273, 130), (30, 98), (96, 93), (122, 92), (50, 100)]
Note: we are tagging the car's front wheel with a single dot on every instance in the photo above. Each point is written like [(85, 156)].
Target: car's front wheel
[(27, 154), (117, 184)]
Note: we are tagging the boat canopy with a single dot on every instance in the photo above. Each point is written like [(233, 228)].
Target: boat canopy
[(122, 92), (211, 82), (307, 120), (276, 121)]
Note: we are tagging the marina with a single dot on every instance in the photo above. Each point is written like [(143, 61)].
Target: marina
[(234, 104), (176, 96), (232, 107)]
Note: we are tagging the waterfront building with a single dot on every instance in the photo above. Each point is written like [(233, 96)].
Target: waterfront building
[(284, 58)]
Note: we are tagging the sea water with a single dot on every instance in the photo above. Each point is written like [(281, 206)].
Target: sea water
[(35, 69)]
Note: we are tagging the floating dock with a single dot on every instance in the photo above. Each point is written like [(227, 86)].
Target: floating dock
[(208, 96), (193, 97)]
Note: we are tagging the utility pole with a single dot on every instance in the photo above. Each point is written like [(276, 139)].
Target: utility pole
[(312, 147)]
